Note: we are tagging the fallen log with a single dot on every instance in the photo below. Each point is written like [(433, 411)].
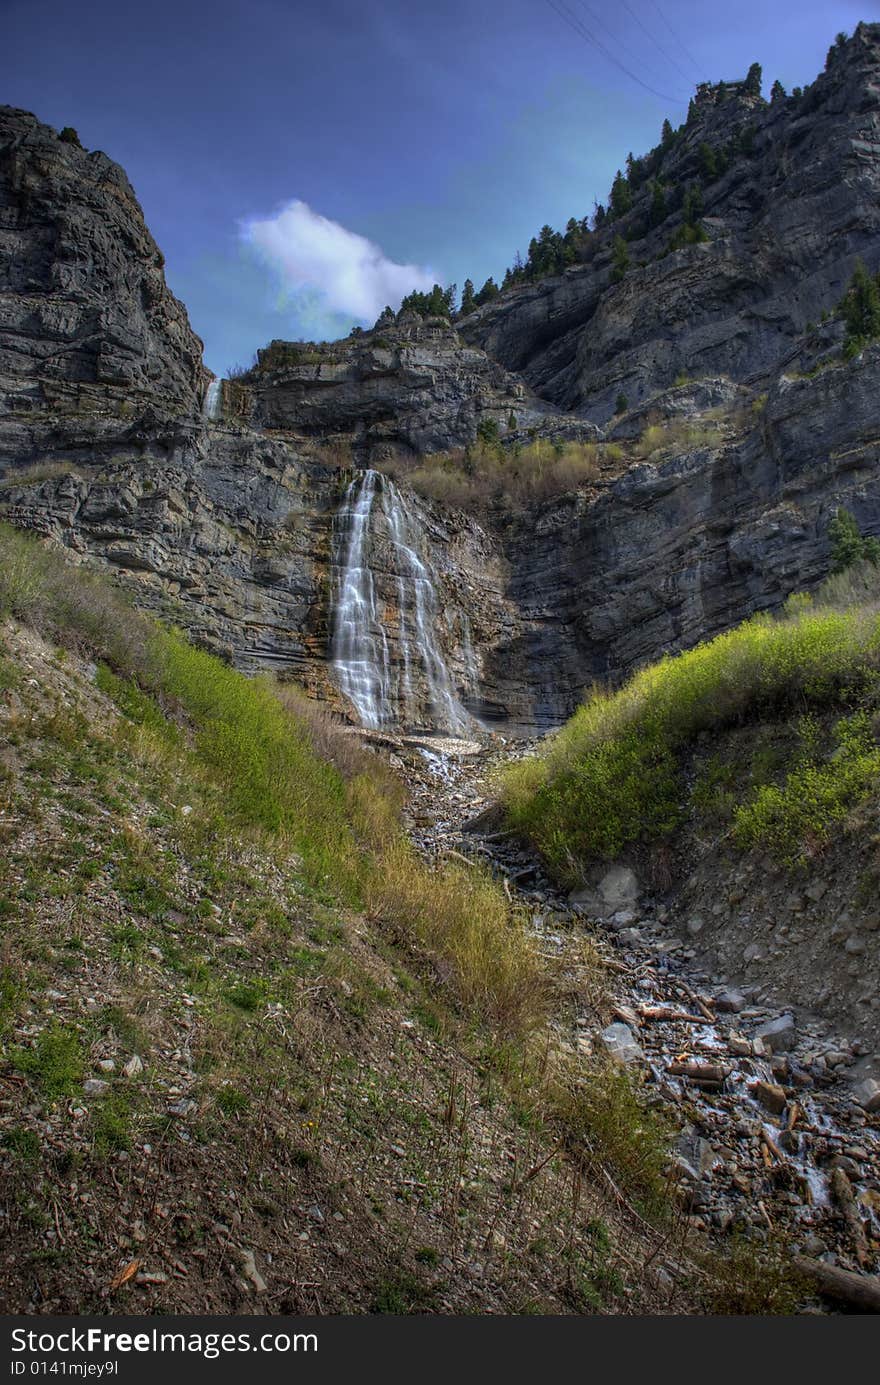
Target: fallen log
[(667, 1012), (697, 1071), (842, 1192), (858, 1291)]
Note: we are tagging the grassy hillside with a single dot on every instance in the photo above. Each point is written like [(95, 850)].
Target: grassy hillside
[(254, 1051), (632, 766)]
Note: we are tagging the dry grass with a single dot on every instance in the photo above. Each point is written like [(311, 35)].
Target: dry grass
[(461, 916), (485, 477), (32, 475), (675, 436)]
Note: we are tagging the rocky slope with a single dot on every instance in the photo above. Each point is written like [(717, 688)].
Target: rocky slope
[(785, 223)]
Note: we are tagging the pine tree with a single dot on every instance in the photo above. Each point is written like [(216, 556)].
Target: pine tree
[(467, 298), (489, 291), (658, 204), (693, 205), (621, 195), (777, 91), (620, 259), (667, 135), (708, 161), (848, 544), (754, 80), (860, 308), (836, 49)]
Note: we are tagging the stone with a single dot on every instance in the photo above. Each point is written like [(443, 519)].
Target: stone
[(867, 1094), (730, 1001), (619, 888), (182, 1108), (696, 1155), (771, 1097), (780, 1035), (622, 1045), (789, 1141), (250, 1271), (623, 918), (134, 1066), (95, 1086)]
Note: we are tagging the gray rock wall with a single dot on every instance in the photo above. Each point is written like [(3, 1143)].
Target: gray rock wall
[(786, 224)]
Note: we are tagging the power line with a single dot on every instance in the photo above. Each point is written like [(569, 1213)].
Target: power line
[(680, 41), (656, 42), (573, 22)]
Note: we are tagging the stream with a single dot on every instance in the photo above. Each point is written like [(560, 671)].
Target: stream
[(772, 1141)]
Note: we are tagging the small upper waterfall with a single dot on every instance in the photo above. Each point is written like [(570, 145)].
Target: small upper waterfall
[(377, 539), (213, 399)]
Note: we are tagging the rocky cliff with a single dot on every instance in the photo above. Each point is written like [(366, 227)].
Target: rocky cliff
[(711, 497), (412, 385), (797, 205), (93, 346)]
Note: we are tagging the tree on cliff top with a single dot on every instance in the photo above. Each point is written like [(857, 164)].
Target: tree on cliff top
[(439, 302)]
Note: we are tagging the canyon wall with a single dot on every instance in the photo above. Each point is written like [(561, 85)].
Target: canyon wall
[(227, 525)]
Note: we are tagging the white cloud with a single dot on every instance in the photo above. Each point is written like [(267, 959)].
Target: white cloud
[(316, 255)]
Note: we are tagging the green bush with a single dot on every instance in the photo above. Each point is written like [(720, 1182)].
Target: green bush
[(612, 775), (799, 817)]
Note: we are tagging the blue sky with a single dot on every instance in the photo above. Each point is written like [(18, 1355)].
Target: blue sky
[(442, 134)]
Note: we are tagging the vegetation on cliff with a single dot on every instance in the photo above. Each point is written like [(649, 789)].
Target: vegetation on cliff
[(620, 772)]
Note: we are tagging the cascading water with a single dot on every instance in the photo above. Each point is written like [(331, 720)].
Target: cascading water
[(360, 645), (213, 399), (375, 519)]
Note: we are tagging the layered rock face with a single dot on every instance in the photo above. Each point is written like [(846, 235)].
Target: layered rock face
[(92, 342), (412, 385), (232, 526), (237, 538), (694, 539), (786, 222)]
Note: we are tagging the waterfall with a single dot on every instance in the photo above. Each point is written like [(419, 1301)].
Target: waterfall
[(213, 399), (377, 535), (360, 645)]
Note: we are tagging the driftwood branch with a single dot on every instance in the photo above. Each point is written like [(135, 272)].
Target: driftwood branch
[(859, 1291)]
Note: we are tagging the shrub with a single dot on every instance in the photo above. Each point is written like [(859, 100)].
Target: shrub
[(612, 775), (799, 817), (487, 431)]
